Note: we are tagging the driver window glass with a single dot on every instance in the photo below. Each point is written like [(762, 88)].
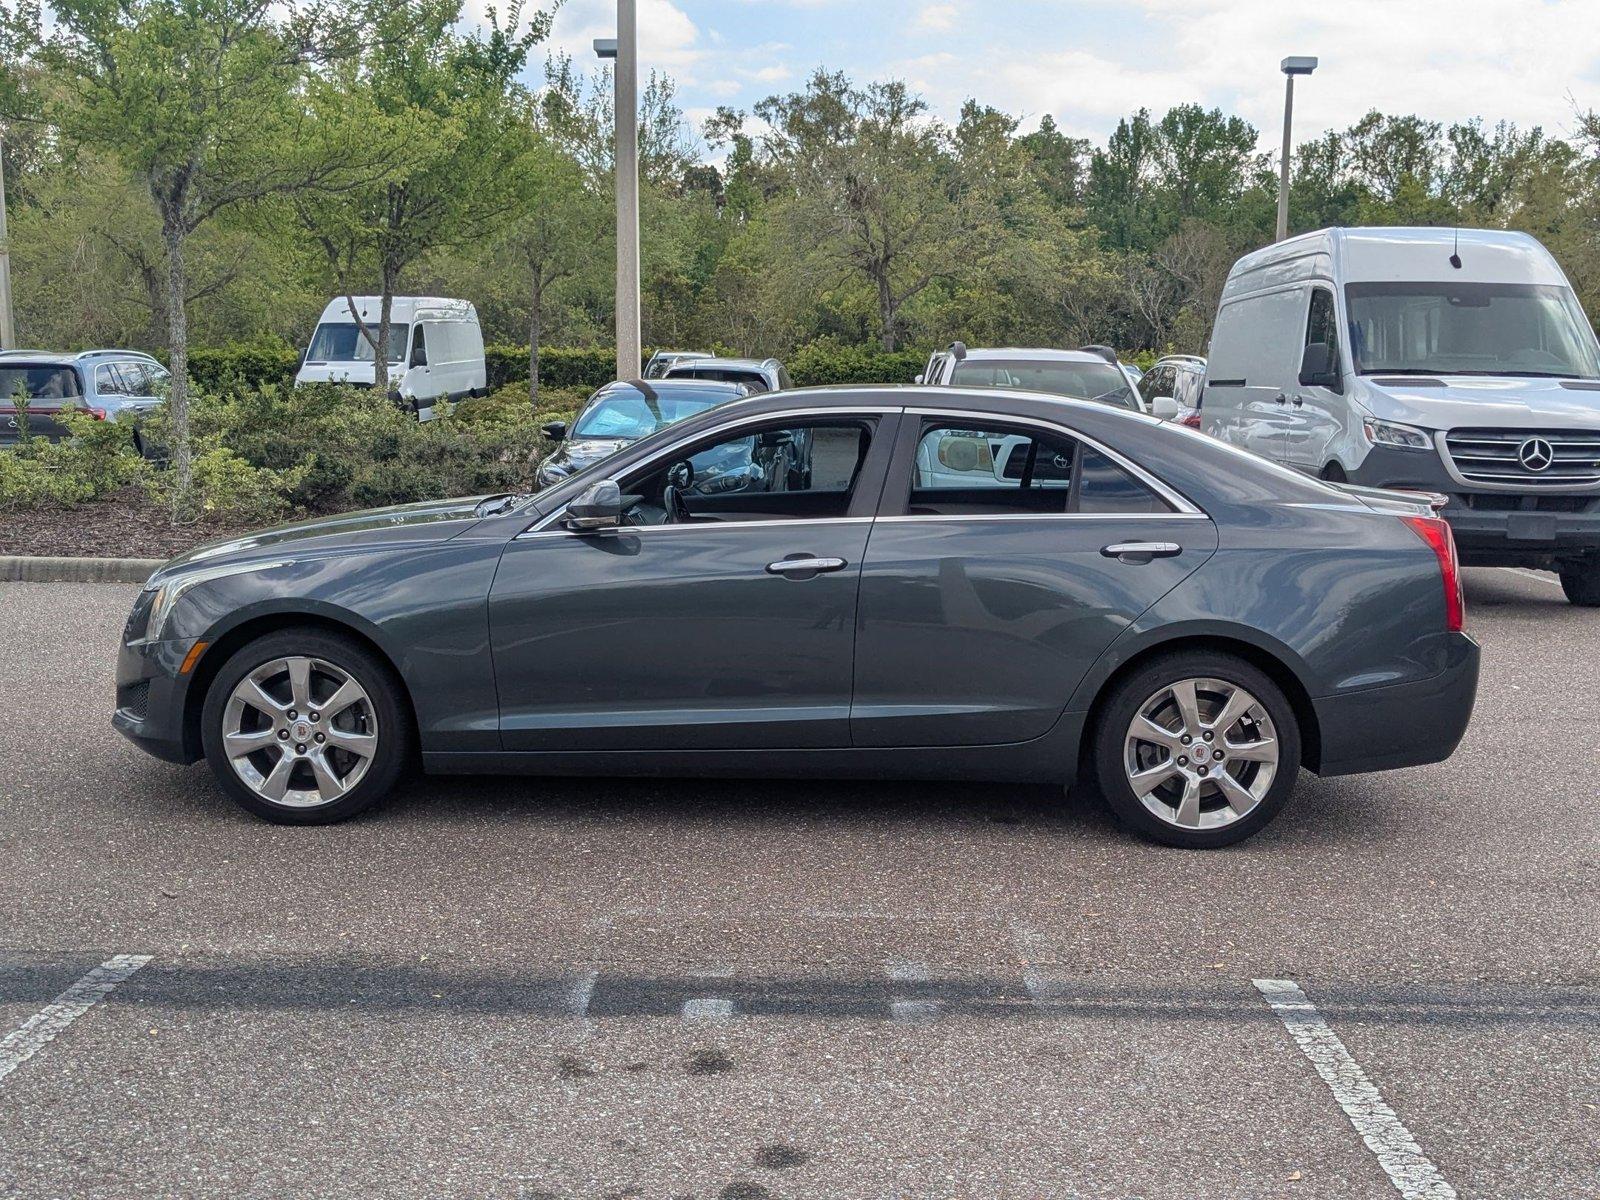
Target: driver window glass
[(419, 346), (802, 471), (1322, 324)]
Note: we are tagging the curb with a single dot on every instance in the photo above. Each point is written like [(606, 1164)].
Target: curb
[(35, 568)]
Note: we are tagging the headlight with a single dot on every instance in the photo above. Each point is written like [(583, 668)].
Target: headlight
[(170, 591), (1387, 433)]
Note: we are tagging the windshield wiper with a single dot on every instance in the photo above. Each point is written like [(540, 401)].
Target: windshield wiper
[(490, 505)]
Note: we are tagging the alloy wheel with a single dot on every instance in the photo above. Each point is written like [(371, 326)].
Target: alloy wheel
[(1201, 753), (300, 731)]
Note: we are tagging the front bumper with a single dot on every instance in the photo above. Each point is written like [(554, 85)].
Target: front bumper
[(1405, 725), (1493, 528), (151, 695)]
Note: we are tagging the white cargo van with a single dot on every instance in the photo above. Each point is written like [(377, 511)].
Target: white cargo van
[(1451, 361), (435, 349)]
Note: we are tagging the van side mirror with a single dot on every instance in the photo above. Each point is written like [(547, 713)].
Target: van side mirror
[(554, 430), (918, 379), (1319, 366), (598, 506), (1164, 407)]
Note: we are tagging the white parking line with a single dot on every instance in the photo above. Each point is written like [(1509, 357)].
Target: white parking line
[(1551, 580), (913, 1011), (1402, 1159), (39, 1030)]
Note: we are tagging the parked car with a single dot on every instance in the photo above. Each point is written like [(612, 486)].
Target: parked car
[(1171, 389), (1194, 620), (1076, 374), (435, 349), (1452, 361), (623, 412), (758, 374), (1133, 371), (105, 383), (663, 360)]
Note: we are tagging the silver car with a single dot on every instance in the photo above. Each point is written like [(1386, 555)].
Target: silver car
[(106, 383)]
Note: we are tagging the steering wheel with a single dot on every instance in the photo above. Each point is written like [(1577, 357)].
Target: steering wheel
[(681, 475), (677, 507)]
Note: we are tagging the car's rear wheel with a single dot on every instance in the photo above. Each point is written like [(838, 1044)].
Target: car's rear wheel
[(1196, 749), (1580, 580), (305, 727)]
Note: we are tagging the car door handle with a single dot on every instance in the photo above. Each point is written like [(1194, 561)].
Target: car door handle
[(1140, 552), (1297, 401), (805, 566), (1280, 398)]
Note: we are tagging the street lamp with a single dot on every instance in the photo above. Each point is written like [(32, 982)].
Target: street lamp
[(624, 49), (1291, 66), (8, 332)]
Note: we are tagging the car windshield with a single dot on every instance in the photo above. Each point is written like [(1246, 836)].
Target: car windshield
[(342, 341), (1469, 329), (37, 383), (1077, 380), (629, 413)]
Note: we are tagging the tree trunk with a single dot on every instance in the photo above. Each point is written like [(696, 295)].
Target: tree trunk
[(178, 362), (380, 366), (535, 331), (888, 313)]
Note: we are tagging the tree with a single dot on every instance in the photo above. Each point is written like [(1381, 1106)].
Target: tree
[(197, 99), (443, 106)]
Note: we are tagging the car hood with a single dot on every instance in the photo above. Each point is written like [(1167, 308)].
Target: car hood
[(343, 372), (1474, 401), (584, 452), (427, 521)]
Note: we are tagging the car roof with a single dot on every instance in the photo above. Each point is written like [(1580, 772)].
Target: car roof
[(679, 384), (1042, 354), (752, 364), (70, 357)]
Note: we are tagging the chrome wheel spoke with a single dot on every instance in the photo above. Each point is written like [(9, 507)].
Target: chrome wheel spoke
[(276, 783), (1144, 729), (1239, 797), (1183, 695), (363, 745), (1188, 814), (329, 785), (240, 744), (1146, 781), (1263, 751), (349, 692), (300, 682), (253, 694), (1239, 703)]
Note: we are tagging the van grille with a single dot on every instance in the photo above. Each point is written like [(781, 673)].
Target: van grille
[(1496, 456)]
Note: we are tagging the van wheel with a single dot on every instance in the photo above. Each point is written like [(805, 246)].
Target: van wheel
[(1580, 580), (304, 727), (1334, 473), (1196, 749)]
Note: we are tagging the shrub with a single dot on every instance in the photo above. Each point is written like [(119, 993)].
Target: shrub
[(243, 364), (824, 362), (96, 459)]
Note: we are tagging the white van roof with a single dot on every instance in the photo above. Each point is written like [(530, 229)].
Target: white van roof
[(1379, 254), (403, 309)]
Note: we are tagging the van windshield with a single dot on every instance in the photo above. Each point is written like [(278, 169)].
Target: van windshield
[(342, 341), (1469, 329)]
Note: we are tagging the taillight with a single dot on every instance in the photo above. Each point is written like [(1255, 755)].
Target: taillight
[(99, 414), (1436, 533), (1191, 420)]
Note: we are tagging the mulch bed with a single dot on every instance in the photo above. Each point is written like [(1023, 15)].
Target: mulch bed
[(128, 527)]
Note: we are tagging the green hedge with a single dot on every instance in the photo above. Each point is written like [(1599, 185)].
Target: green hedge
[(253, 364)]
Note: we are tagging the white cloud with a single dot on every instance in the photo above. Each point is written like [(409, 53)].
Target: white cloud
[(669, 40), (938, 18)]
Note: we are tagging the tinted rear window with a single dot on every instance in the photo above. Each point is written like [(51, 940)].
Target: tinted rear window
[(1078, 380), (37, 382)]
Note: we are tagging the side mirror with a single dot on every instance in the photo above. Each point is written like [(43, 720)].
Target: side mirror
[(918, 379), (1164, 407), (1319, 366), (554, 430), (598, 506)]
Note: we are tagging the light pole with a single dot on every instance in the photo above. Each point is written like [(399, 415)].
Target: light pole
[(8, 332), (1296, 65), (624, 48)]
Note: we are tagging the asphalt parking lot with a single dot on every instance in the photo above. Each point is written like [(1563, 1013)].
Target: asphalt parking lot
[(523, 988)]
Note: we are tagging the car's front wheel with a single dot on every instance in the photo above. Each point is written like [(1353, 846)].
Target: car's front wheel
[(305, 727), (1580, 580), (1196, 749)]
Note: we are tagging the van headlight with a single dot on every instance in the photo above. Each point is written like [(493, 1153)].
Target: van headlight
[(168, 592), (1387, 433)]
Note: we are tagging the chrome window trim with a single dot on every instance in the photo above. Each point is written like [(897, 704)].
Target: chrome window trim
[(1107, 516), (755, 419), (704, 526), (1180, 503)]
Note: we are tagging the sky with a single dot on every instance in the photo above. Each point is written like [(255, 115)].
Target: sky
[(1090, 62)]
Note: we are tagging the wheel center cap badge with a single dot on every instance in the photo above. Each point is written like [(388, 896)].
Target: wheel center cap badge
[(1536, 454), (301, 731), (1201, 754)]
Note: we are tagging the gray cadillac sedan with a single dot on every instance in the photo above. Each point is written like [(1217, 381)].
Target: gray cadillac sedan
[(976, 584)]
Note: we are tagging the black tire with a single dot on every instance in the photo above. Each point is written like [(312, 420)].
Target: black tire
[(1334, 473), (386, 693), (1581, 582), (1132, 692)]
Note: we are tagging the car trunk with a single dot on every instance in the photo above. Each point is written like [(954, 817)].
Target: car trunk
[(48, 388)]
